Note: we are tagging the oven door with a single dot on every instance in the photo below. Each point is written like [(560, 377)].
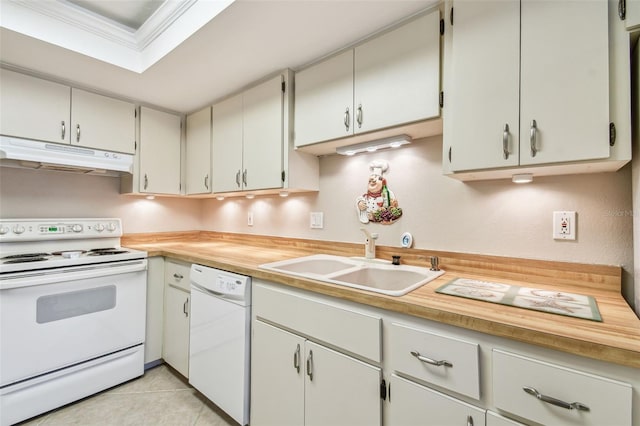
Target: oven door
[(56, 318)]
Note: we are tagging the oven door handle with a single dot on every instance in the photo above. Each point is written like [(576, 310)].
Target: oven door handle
[(34, 278)]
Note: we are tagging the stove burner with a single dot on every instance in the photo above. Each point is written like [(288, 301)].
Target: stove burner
[(105, 252), (25, 259), (60, 253), (25, 255)]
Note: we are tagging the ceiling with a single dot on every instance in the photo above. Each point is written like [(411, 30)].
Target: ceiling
[(244, 41)]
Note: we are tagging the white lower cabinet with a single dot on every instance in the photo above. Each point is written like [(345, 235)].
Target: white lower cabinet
[(298, 382), (413, 404), (155, 310), (495, 419), (177, 307)]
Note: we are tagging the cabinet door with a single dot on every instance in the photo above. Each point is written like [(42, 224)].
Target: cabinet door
[(632, 15), (33, 108), (101, 122), (483, 98), (159, 152), (155, 298), (414, 404), (324, 100), (175, 350), (564, 81), (198, 163), (340, 390), (397, 76), (262, 154), (277, 377), (227, 145)]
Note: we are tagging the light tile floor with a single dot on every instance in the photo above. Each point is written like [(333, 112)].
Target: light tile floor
[(160, 397)]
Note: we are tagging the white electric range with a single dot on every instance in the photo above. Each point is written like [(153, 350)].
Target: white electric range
[(72, 312)]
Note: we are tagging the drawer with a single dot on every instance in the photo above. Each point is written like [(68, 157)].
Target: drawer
[(605, 401), (441, 360), (495, 419), (177, 274), (341, 327)]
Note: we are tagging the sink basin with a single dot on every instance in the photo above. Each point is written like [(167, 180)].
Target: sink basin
[(366, 274)]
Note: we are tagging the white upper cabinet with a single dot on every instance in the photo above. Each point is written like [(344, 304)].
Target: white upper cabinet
[(227, 145), (160, 135), (262, 134), (33, 108), (38, 109), (198, 162), (388, 81), (324, 100), (529, 84), (102, 122)]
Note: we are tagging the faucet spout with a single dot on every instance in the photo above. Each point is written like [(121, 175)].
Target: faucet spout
[(369, 244)]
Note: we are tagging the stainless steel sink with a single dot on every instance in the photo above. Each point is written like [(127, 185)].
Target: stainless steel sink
[(374, 275)]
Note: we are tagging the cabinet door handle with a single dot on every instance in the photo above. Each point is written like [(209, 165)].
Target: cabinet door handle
[(64, 129), (296, 359), (185, 306), (554, 401), (532, 138), (431, 361), (347, 119), (244, 177), (469, 421), (178, 276), (238, 178), (310, 365), (359, 116), (78, 133), (206, 181), (505, 141), (146, 181)]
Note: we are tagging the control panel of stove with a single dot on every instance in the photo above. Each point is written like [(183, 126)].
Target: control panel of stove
[(48, 229)]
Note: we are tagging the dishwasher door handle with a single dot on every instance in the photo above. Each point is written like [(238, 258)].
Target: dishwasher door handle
[(206, 290)]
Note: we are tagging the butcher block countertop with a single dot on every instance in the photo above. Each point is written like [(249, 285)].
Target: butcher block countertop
[(616, 339)]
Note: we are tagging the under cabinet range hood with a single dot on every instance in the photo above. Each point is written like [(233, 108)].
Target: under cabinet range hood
[(31, 154)]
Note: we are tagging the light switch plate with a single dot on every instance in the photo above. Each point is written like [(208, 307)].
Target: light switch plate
[(316, 220), (564, 225)]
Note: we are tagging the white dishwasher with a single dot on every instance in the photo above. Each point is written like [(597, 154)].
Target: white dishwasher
[(219, 355)]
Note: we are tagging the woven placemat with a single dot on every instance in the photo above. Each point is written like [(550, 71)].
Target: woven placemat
[(555, 302)]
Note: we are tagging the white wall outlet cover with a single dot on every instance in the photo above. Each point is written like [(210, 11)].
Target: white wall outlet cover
[(316, 220), (250, 218), (564, 225)]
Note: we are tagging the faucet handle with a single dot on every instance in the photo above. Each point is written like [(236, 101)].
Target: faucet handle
[(434, 263), (374, 235)]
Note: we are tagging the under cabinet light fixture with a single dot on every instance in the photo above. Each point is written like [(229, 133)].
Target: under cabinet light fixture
[(220, 197), (522, 178), (375, 145), (150, 197), (250, 196), (283, 193)]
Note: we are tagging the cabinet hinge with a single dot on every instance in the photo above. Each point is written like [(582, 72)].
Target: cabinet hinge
[(612, 134), (383, 390), (441, 100), (622, 9), (451, 16), (283, 176), (442, 27), (135, 146), (284, 86)]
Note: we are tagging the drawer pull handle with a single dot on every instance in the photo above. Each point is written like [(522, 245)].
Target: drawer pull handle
[(431, 361), (296, 359), (310, 365), (469, 421), (178, 276), (548, 399)]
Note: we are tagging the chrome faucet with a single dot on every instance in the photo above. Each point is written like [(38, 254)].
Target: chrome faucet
[(369, 244)]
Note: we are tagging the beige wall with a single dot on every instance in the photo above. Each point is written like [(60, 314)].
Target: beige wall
[(493, 217)]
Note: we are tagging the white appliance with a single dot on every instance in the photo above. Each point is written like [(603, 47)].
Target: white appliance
[(72, 312), (26, 153), (219, 352)]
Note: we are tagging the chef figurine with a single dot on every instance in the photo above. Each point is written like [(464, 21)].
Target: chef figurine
[(378, 204)]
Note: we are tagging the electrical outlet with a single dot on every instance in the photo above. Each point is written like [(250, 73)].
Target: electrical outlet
[(316, 220), (564, 225), (250, 219)]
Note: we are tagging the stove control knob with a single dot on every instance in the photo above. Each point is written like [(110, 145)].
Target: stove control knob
[(18, 229), (4, 230), (111, 227), (76, 228), (99, 227)]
